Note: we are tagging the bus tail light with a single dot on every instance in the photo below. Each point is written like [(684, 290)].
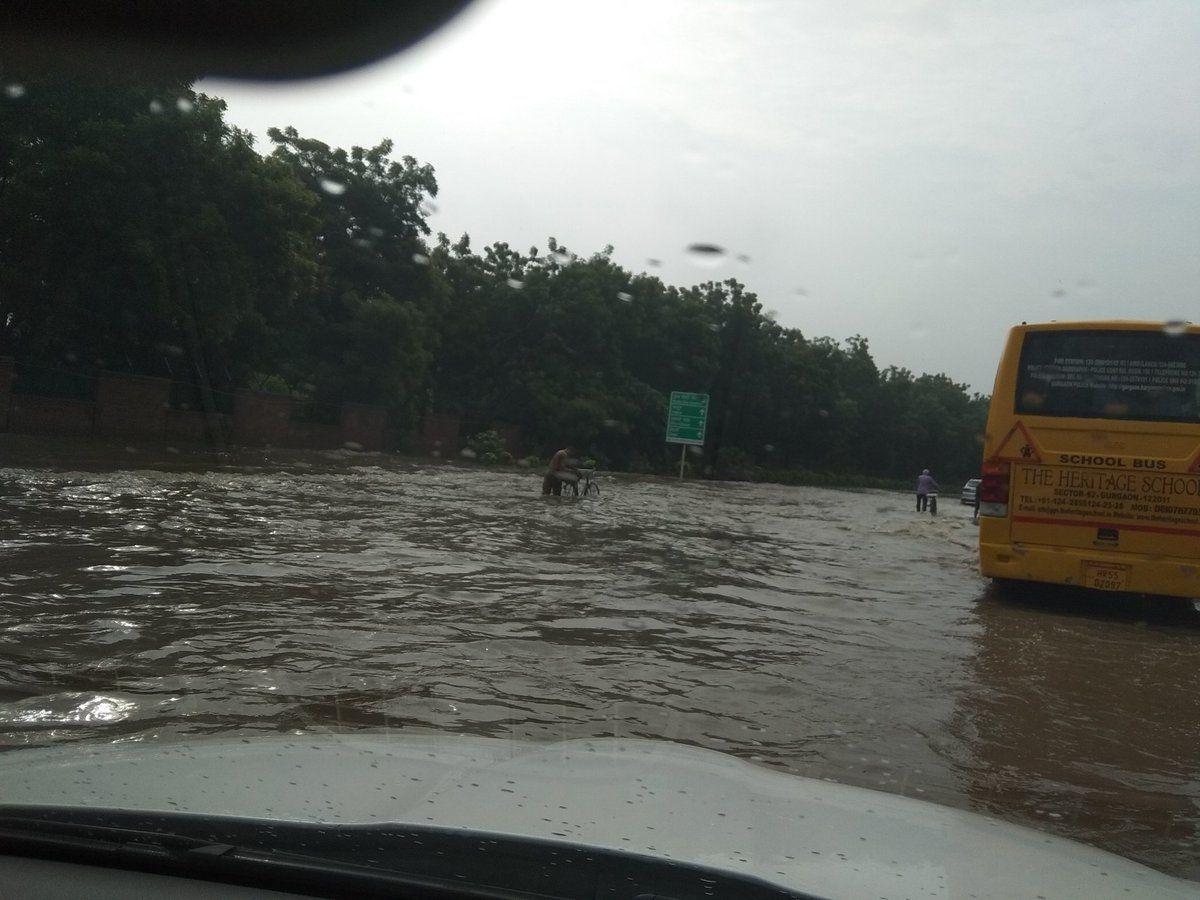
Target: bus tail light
[(993, 494)]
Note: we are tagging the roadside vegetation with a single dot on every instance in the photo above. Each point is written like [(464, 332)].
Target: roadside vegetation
[(141, 232)]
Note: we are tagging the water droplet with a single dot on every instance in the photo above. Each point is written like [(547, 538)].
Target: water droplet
[(714, 327), (654, 263), (375, 231), (743, 258), (184, 105), (1175, 327), (353, 445), (624, 297), (335, 188), (560, 257), (156, 107), (823, 413), (770, 448), (14, 91), (1058, 293), (427, 207), (801, 292), (420, 259), (707, 255), (466, 453), (515, 283)]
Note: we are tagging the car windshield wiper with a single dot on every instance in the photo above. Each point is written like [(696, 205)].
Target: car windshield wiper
[(340, 860)]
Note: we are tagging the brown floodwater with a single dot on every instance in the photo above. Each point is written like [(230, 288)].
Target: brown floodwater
[(833, 634)]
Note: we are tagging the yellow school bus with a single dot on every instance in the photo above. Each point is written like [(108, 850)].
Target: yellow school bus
[(1091, 463)]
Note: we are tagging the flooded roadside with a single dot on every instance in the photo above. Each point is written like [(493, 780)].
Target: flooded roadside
[(827, 633)]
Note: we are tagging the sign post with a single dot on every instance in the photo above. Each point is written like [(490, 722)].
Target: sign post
[(687, 418)]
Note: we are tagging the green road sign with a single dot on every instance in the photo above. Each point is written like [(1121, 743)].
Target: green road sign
[(686, 418)]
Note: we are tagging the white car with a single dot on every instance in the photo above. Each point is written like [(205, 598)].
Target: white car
[(969, 489)]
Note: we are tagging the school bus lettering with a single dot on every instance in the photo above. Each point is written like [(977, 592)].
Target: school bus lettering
[(1110, 462)]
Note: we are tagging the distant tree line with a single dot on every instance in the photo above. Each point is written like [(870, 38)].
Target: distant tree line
[(141, 232)]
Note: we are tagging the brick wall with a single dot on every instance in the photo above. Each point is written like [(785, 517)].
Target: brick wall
[(128, 405), (440, 435), (49, 415), (260, 418), (364, 425), (7, 371)]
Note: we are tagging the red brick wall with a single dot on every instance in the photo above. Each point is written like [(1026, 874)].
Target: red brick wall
[(131, 405), (364, 425), (47, 415), (315, 435), (512, 438), (440, 434), (7, 370), (185, 425), (261, 418), (134, 407)]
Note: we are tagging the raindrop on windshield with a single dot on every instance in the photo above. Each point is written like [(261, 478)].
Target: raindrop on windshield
[(466, 453), (184, 105), (329, 186), (420, 259), (427, 207), (156, 107), (515, 283), (801, 292), (14, 91), (626, 297), (560, 257), (654, 262), (1175, 327), (1058, 293), (708, 255), (743, 258)]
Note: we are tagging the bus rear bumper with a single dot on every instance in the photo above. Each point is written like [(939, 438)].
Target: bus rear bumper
[(1132, 572)]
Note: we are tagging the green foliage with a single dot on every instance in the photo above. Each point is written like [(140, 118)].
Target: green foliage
[(140, 231), (489, 448)]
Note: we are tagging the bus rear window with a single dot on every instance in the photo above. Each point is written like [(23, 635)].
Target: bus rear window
[(1147, 376)]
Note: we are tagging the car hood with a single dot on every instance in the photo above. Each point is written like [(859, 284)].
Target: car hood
[(646, 797)]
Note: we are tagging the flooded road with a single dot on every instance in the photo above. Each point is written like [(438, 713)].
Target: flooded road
[(826, 633)]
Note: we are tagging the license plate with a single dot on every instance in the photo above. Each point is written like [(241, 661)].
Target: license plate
[(1106, 576)]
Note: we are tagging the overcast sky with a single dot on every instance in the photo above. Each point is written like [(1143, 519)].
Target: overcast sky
[(922, 173)]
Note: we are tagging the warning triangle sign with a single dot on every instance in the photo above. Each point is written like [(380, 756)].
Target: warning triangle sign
[(1017, 446)]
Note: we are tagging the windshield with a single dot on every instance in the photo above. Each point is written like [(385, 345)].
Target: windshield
[(604, 372)]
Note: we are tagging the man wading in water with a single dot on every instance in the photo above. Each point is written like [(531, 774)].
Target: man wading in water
[(925, 486), (560, 472)]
